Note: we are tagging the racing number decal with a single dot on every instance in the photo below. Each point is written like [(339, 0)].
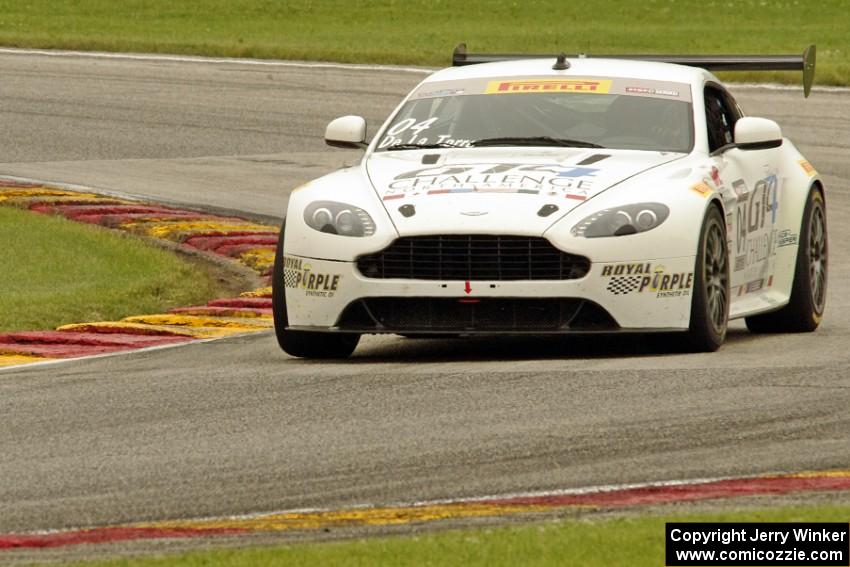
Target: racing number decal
[(755, 242), (394, 137)]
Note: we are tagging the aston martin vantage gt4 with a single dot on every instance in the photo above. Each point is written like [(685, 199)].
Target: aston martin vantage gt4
[(548, 195)]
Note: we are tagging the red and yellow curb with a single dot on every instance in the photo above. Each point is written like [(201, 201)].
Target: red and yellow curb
[(491, 507), (239, 240), (17, 359)]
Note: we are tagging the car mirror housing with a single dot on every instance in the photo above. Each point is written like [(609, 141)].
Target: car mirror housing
[(753, 133), (346, 132)]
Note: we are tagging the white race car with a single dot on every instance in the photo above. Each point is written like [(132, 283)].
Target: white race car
[(552, 194)]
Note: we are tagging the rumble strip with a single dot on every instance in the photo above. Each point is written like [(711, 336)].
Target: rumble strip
[(604, 497), (247, 243)]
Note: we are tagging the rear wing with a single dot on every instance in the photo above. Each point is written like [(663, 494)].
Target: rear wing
[(804, 62)]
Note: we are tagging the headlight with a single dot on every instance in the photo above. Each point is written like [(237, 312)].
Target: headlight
[(339, 218), (620, 221)]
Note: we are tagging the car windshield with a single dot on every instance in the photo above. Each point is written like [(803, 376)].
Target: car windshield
[(577, 119)]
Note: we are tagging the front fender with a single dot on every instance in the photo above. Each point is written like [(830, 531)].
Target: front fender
[(346, 186), (678, 236)]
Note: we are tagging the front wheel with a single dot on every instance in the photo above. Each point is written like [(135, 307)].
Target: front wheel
[(804, 310), (710, 301), (303, 344)]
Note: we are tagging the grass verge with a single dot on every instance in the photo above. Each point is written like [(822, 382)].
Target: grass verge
[(424, 31), (633, 541), (57, 272)]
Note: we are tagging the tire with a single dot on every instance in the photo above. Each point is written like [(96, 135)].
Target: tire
[(303, 344), (710, 301), (805, 308)]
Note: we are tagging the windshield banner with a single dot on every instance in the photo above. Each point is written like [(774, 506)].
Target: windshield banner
[(533, 84)]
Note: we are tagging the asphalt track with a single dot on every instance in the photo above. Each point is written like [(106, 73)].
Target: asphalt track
[(235, 426)]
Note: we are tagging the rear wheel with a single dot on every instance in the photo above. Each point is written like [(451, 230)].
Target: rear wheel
[(304, 344), (710, 302), (804, 310)]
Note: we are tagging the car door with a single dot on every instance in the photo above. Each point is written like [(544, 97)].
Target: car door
[(750, 185)]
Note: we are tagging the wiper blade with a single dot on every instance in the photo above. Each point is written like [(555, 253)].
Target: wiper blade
[(535, 141), (420, 146)]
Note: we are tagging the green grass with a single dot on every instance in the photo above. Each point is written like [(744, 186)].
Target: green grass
[(632, 541), (425, 31), (56, 271)]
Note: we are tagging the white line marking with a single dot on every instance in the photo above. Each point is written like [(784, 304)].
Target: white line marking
[(477, 499), (140, 198), (778, 87), (77, 188), (55, 361), (578, 491), (319, 65), (215, 60), (464, 500)]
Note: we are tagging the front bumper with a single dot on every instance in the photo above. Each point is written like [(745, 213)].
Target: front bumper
[(640, 296)]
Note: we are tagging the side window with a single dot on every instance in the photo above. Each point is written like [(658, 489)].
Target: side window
[(733, 106), (721, 113)]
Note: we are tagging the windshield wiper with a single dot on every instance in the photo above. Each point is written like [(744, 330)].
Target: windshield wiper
[(420, 146), (535, 141)]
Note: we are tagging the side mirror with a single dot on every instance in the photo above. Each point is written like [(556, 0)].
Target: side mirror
[(346, 132), (753, 133)]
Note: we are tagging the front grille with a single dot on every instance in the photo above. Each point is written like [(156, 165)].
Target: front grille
[(473, 257), (464, 315)]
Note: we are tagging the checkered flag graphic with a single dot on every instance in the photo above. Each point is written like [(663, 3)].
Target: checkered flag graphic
[(623, 285), (290, 278)]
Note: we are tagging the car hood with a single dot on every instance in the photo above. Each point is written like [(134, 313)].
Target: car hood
[(482, 190)]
